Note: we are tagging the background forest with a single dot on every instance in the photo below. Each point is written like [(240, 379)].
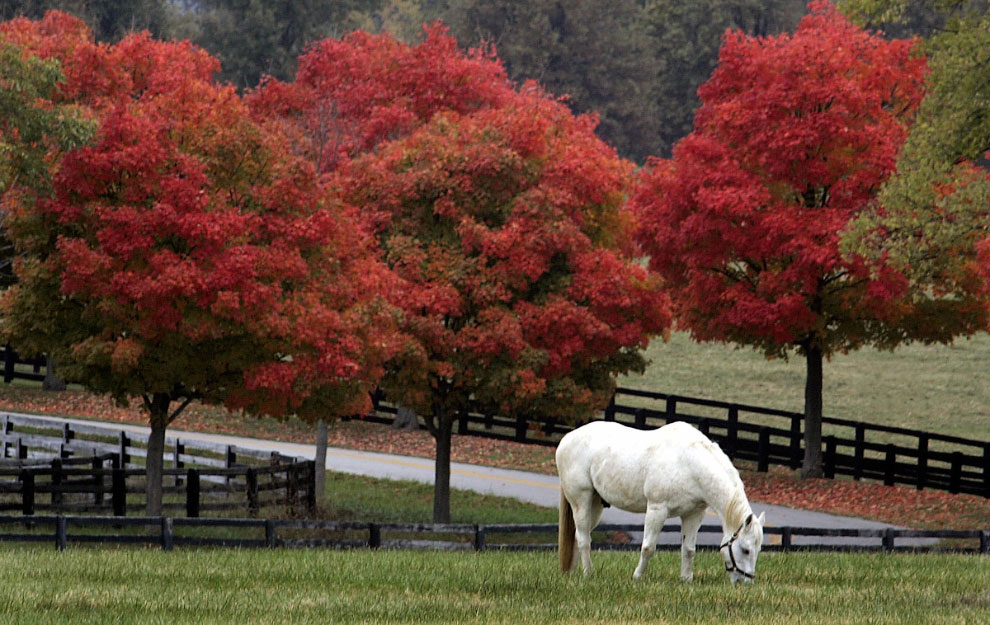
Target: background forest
[(638, 63)]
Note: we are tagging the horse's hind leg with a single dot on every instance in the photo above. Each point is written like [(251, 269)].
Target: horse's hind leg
[(690, 523), (656, 514), (586, 516)]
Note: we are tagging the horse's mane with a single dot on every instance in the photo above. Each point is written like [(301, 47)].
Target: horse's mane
[(738, 507), (737, 510)]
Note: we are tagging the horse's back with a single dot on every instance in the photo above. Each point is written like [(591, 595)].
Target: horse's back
[(627, 467)]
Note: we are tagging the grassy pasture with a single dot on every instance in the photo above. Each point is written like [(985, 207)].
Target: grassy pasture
[(939, 388), (315, 586)]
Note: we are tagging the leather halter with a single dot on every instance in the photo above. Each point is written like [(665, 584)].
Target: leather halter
[(732, 557)]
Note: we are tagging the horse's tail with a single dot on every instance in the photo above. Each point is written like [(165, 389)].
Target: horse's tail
[(565, 534)]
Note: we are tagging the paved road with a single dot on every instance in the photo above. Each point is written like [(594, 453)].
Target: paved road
[(531, 487)]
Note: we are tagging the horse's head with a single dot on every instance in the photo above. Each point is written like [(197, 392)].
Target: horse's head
[(740, 550)]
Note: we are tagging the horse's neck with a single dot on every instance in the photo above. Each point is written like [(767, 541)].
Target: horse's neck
[(729, 500)]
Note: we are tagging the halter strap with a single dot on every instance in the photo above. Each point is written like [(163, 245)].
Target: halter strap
[(732, 557)]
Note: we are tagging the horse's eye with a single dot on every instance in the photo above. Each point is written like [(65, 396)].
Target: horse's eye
[(745, 551)]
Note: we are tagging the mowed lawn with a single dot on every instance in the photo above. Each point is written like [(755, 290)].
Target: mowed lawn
[(320, 587)]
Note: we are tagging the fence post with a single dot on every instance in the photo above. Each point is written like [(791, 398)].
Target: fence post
[(763, 452), (479, 538), (955, 472), (97, 465), (888, 539), (230, 458), (889, 463), (785, 538), (56, 483), (732, 435), (640, 418), (374, 536), (796, 440), (922, 460), (311, 486), (522, 426), (610, 409), (270, 540), (168, 539), (986, 470), (828, 461), (251, 477), (61, 533), (119, 492), (984, 541), (671, 408), (179, 450), (705, 427), (22, 450), (124, 456), (3, 435), (27, 492), (192, 493), (859, 451), (67, 436), (291, 486), (9, 358)]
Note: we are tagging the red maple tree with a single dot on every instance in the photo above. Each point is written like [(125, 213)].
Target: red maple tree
[(351, 94), (502, 226), (501, 214), (188, 254), (794, 137)]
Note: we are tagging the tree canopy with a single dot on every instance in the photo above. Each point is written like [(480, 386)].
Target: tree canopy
[(933, 216), (188, 253), (795, 135), (500, 213)]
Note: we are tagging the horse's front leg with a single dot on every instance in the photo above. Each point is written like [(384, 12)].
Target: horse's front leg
[(656, 514), (690, 523)]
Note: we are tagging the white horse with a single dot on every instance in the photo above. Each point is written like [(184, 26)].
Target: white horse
[(671, 471)]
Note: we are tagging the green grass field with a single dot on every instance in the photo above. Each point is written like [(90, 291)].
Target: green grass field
[(941, 388), (320, 587)]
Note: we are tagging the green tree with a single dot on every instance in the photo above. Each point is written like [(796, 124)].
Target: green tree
[(109, 20), (32, 134), (597, 54), (686, 37), (253, 38), (933, 215)]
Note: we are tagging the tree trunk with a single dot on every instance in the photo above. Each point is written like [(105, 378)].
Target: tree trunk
[(441, 482), (51, 382), (321, 460), (812, 465), (158, 419)]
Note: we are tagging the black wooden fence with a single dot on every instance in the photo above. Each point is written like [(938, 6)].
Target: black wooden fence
[(48, 466), (768, 437), (15, 367), (169, 533)]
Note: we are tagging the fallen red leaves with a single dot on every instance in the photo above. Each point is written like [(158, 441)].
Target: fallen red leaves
[(901, 505)]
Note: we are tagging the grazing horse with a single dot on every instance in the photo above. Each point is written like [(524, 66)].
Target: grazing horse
[(671, 471)]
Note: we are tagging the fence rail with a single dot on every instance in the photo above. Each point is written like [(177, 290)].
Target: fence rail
[(47, 466), (171, 532), (769, 437)]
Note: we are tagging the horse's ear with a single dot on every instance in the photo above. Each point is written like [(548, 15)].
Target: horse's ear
[(762, 518)]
